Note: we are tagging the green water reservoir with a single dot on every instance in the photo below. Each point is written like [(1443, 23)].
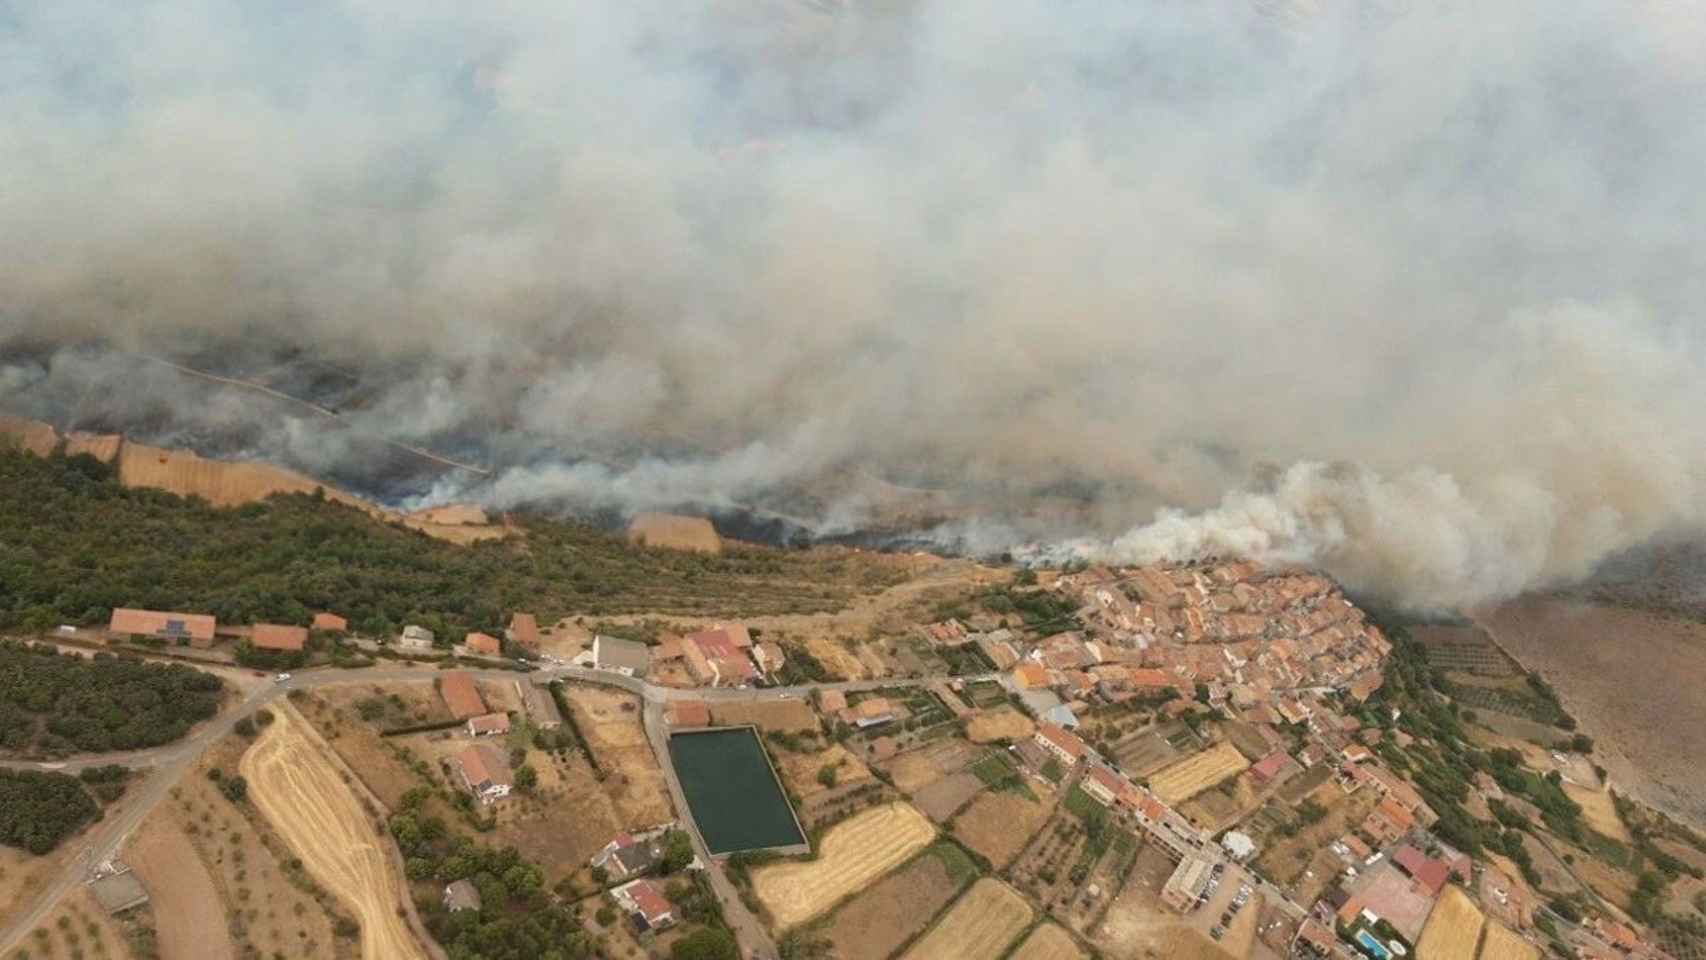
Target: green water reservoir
[(736, 800)]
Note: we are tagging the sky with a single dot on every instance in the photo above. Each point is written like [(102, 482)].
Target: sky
[(1407, 292)]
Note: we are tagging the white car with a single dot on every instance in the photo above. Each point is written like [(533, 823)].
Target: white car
[(282, 678)]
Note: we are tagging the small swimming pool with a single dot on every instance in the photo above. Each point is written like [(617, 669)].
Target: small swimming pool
[(1374, 946)]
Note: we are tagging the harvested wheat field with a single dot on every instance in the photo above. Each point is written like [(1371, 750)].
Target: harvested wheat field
[(1002, 723), (998, 824), (296, 786), (1502, 943), (675, 532), (978, 927), (1599, 811), (1453, 930), (31, 436), (188, 915), (1048, 942), (1198, 772), (874, 924), (854, 853)]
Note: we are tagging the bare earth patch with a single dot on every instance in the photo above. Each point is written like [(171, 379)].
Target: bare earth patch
[(874, 924), (189, 919), (852, 854), (613, 728), (998, 825), (788, 716), (1001, 723)]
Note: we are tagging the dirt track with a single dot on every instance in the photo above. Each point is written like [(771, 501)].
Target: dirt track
[(296, 787)]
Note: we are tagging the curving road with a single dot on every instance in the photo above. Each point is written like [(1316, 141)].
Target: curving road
[(169, 763)]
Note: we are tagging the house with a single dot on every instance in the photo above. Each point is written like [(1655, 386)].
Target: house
[(769, 656), (1060, 744), (485, 772), (1430, 873), (1032, 676), (330, 622), (1103, 785), (482, 645), (1274, 769), (871, 712), (717, 657), (1356, 753), (524, 630), (831, 701), (461, 695), (645, 904), (541, 707), (489, 725), (272, 636), (1388, 823), (1188, 884), (627, 657), (195, 629), (1353, 845), (998, 648), (461, 895), (689, 713), (626, 857), (415, 639)]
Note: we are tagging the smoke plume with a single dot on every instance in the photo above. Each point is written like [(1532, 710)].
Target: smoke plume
[(1410, 292)]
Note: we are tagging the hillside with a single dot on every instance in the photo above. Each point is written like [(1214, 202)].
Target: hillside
[(282, 558)]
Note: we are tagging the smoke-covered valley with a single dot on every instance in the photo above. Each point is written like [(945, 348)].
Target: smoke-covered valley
[(1410, 292)]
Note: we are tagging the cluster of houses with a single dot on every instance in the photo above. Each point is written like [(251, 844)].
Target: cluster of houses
[(201, 631), (483, 769), (725, 655)]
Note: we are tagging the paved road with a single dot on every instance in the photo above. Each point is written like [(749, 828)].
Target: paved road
[(169, 763)]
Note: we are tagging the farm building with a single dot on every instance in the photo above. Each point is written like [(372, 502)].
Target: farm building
[(871, 712), (541, 707), (196, 629), (272, 636), (485, 772), (489, 725), (831, 701), (689, 713), (461, 695), (330, 622), (482, 644), (523, 629), (717, 657), (769, 656), (626, 657), (118, 890), (415, 638)]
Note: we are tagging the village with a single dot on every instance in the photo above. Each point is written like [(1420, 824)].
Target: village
[(1153, 762)]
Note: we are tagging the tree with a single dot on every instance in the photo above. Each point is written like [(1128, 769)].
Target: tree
[(526, 778), (677, 851), (1202, 693), (826, 775), (706, 943)]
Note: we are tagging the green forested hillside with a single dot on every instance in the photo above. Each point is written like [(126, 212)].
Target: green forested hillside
[(60, 703), (74, 543)]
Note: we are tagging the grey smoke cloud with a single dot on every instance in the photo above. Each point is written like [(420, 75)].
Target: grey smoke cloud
[(1408, 291)]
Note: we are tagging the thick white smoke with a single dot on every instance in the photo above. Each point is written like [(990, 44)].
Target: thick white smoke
[(1036, 269)]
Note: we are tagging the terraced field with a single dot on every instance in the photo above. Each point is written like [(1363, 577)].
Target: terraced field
[(980, 926), (853, 853)]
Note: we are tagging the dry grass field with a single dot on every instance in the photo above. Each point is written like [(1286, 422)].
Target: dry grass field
[(612, 725), (1599, 811), (941, 799), (1048, 942), (1001, 723), (189, 918), (788, 716), (799, 770), (998, 824), (296, 786), (1624, 673), (896, 908), (79, 929), (852, 854), (675, 532), (1453, 930), (22, 875), (31, 436), (916, 769), (1502, 943), (980, 926), (1198, 772)]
